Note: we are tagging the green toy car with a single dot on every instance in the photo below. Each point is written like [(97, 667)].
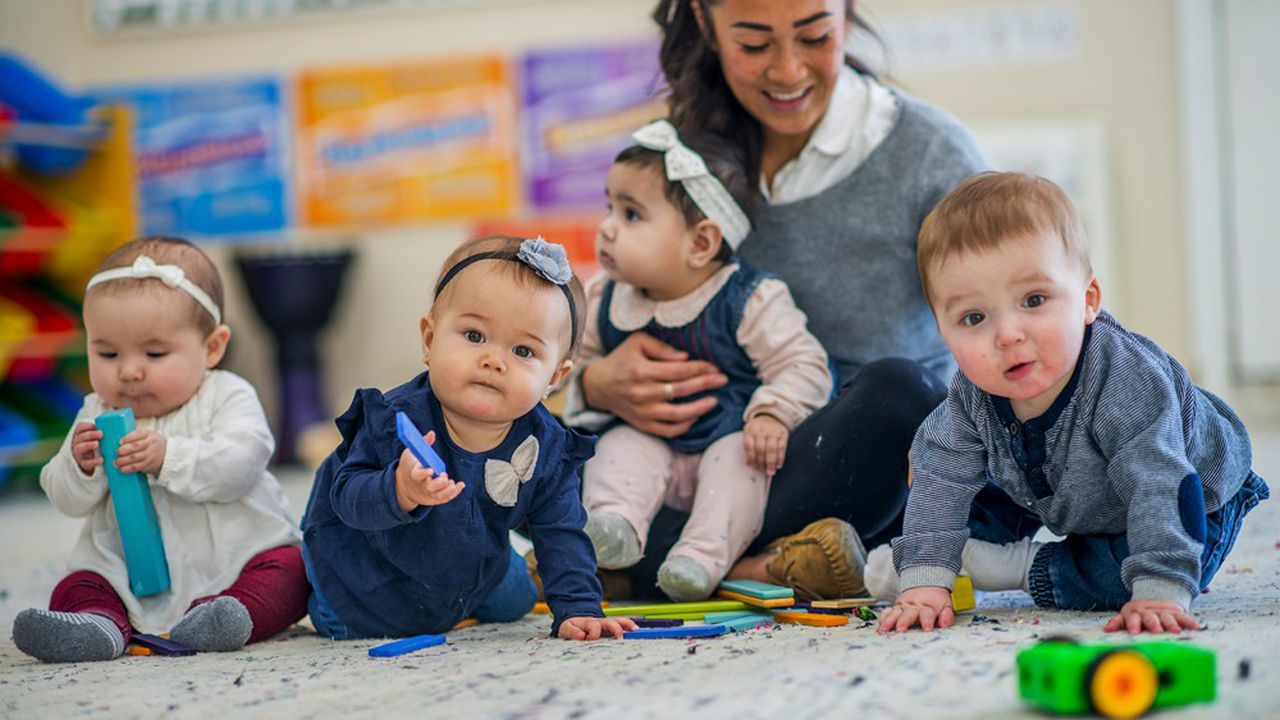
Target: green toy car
[(1115, 681)]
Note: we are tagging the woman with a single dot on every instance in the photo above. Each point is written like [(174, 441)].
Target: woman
[(848, 169)]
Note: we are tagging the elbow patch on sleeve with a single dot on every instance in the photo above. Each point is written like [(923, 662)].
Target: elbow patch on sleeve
[(1191, 506)]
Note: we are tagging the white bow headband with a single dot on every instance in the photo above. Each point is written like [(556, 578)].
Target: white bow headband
[(687, 167), (171, 275)]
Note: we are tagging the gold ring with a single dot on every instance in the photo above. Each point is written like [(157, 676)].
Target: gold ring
[(668, 392)]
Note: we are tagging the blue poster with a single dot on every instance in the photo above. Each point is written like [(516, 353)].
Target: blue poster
[(212, 156)]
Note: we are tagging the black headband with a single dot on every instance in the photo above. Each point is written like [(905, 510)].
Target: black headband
[(504, 255)]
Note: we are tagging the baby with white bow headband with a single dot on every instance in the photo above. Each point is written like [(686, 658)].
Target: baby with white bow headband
[(667, 248), (153, 322), (395, 549)]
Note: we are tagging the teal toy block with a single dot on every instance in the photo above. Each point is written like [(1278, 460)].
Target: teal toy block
[(751, 588), (135, 513)]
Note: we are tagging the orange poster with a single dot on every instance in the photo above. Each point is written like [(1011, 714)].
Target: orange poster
[(423, 140)]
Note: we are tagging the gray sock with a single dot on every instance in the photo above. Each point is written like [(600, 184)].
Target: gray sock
[(616, 542), (684, 580), (220, 625), (66, 637)]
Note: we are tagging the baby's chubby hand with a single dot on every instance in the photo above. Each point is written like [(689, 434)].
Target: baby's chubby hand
[(765, 442), (417, 485), (1154, 616), (592, 628), (925, 606), (141, 451), (85, 439)]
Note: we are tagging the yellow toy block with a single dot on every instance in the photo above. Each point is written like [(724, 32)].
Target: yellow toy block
[(962, 594)]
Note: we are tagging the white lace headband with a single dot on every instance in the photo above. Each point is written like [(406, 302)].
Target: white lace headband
[(171, 275), (687, 167)]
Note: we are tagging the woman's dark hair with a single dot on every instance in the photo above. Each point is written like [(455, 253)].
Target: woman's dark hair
[(724, 159), (699, 96)]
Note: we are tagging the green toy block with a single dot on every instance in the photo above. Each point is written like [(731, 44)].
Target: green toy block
[(671, 609)]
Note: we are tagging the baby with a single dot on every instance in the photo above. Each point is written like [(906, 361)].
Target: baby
[(393, 549), (667, 249), (153, 320), (1060, 417)]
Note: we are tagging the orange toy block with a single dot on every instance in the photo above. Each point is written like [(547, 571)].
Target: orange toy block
[(758, 602), (466, 623), (814, 619)]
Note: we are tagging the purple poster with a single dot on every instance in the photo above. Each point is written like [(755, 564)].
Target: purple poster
[(580, 108)]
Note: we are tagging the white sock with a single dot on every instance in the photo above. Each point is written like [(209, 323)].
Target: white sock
[(880, 576), (994, 567)]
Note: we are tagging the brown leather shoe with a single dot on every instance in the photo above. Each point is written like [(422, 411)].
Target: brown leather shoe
[(824, 561), (615, 584)]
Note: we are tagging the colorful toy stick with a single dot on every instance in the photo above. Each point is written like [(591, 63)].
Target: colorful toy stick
[(757, 601), (814, 619), (1115, 681), (754, 589), (657, 622), (161, 646), (675, 632), (704, 606), (412, 439), (407, 645), (749, 622), (135, 513), (844, 603)]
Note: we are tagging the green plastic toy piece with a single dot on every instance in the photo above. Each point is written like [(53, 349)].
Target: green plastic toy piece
[(1115, 681)]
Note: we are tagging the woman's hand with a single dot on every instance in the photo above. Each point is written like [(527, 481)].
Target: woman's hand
[(641, 377)]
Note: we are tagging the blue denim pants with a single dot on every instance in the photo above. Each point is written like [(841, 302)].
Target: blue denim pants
[(1082, 572), (511, 600)]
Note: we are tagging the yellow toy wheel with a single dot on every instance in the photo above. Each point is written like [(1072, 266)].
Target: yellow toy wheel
[(1122, 684)]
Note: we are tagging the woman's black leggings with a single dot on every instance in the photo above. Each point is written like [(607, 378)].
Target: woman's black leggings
[(848, 460)]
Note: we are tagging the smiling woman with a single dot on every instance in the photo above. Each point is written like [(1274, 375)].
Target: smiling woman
[(847, 168)]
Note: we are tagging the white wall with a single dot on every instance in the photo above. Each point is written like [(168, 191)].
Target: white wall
[(1123, 76)]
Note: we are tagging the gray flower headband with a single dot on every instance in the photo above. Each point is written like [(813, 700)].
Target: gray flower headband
[(548, 260)]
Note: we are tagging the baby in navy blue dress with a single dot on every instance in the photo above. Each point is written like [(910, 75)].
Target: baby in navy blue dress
[(393, 549)]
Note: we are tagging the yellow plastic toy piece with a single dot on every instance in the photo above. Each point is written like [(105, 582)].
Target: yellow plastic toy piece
[(814, 619), (466, 623), (962, 594), (758, 602), (844, 603), (1123, 685)]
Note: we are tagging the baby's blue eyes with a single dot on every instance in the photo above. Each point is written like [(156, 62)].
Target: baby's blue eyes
[(971, 319), (1034, 300), (473, 336), (522, 351)]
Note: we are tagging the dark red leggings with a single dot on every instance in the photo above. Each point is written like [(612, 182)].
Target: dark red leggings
[(273, 587)]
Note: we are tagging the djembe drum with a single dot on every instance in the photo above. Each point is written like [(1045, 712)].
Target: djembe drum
[(294, 293)]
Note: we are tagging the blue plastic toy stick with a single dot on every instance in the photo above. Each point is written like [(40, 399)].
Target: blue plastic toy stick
[(162, 646), (407, 645), (135, 514), (675, 632), (412, 439)]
